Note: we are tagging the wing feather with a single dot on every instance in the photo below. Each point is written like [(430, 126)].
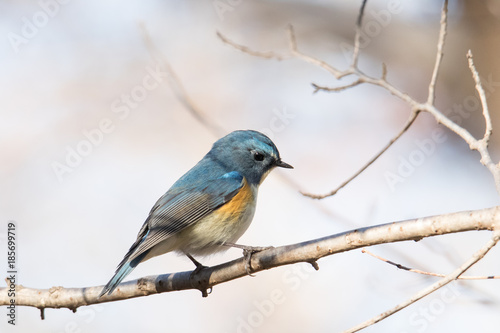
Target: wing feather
[(182, 207)]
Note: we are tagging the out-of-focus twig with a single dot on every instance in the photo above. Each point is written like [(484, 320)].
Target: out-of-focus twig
[(357, 36), (177, 87), (490, 277), (433, 287), (246, 49)]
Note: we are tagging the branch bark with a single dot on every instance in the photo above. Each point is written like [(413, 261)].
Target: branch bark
[(309, 251)]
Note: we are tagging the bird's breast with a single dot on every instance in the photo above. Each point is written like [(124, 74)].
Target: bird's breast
[(225, 224), (237, 206)]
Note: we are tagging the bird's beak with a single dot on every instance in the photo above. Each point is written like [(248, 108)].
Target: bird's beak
[(282, 164)]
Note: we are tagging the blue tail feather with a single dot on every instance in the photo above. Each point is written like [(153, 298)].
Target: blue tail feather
[(121, 273)]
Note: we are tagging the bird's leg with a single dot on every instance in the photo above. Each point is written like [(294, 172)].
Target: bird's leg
[(199, 266), (205, 290), (247, 253)]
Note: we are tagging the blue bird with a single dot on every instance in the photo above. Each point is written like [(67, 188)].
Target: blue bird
[(209, 208)]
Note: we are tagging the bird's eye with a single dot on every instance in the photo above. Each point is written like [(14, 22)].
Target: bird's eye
[(257, 156)]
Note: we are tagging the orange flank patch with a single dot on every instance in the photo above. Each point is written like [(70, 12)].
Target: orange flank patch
[(238, 203)]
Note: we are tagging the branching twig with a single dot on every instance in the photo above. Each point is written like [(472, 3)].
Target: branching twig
[(296, 53), (418, 271), (310, 251), (408, 124), (432, 288), (482, 97), (292, 43), (482, 144), (428, 106), (338, 74), (479, 145), (416, 107)]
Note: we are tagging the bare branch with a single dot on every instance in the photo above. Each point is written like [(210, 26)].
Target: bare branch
[(474, 144), (176, 85), (479, 145), (432, 288), (482, 96), (293, 48), (416, 107), (418, 271), (272, 55), (310, 251), (408, 124), (482, 145), (245, 49)]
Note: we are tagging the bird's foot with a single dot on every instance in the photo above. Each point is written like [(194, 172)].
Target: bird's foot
[(248, 251)]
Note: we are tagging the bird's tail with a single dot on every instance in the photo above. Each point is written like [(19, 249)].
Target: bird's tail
[(122, 271)]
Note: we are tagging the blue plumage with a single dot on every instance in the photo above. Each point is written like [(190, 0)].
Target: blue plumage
[(212, 204)]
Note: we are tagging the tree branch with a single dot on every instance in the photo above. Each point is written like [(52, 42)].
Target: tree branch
[(432, 288), (428, 106), (309, 251)]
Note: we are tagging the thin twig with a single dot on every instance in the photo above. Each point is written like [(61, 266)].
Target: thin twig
[(293, 48), (357, 36), (337, 89), (176, 85), (439, 55), (482, 96), (408, 124), (482, 145), (246, 49), (418, 271), (432, 288)]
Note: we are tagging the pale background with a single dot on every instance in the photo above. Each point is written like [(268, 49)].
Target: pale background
[(72, 233)]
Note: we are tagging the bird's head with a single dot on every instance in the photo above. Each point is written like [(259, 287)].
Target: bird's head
[(250, 153)]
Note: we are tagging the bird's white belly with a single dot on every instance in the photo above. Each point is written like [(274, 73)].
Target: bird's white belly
[(206, 236)]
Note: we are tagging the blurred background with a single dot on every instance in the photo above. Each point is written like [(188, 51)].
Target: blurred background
[(91, 135)]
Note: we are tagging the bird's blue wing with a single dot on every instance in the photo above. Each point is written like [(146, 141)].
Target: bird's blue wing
[(181, 207), (175, 210)]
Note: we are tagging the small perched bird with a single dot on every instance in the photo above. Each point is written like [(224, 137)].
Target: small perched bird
[(210, 207)]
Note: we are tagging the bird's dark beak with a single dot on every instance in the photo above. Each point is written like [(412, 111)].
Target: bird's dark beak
[(282, 164)]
